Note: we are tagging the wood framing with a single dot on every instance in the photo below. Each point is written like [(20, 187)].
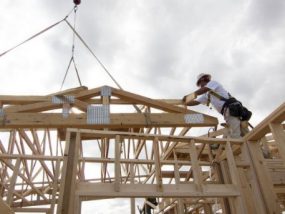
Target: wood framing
[(82, 144)]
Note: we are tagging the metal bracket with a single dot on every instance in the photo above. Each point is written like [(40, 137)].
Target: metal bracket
[(65, 110), (2, 113), (61, 99), (65, 100), (194, 118), (98, 114), (106, 91)]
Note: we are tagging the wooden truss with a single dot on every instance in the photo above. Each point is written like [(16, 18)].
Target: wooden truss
[(59, 150)]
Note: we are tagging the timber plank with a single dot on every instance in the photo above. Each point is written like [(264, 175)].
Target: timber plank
[(118, 120)]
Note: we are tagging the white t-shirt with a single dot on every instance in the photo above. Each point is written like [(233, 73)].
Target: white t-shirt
[(216, 102)]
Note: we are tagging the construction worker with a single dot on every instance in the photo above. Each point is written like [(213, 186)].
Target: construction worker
[(213, 92)]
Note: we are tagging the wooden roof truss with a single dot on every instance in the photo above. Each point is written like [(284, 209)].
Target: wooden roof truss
[(78, 145)]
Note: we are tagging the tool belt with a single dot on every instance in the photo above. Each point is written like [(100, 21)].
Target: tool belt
[(236, 109)]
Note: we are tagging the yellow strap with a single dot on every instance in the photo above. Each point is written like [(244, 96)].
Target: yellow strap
[(209, 99), (216, 95)]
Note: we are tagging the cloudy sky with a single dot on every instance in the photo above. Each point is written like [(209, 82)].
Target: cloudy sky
[(155, 48)]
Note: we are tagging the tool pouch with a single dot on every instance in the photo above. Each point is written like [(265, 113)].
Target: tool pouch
[(236, 109)]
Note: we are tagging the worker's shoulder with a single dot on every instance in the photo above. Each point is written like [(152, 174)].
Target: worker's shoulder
[(213, 83)]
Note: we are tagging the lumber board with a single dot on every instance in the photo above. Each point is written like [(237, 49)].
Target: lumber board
[(117, 120), (148, 101), (132, 135), (196, 169), (20, 100), (264, 180), (71, 91), (117, 168), (151, 143), (4, 208), (262, 128), (190, 97), (150, 190), (28, 99)]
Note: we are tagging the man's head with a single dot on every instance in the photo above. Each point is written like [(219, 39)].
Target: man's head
[(203, 79)]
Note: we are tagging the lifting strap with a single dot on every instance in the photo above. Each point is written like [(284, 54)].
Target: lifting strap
[(216, 95), (35, 35)]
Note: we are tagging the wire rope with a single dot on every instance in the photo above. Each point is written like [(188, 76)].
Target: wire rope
[(72, 54), (35, 35)]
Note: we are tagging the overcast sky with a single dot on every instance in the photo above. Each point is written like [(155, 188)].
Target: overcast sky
[(155, 48)]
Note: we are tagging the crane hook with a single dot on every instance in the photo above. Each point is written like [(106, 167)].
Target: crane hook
[(77, 2)]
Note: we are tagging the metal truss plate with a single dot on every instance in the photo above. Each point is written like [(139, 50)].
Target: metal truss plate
[(193, 118), (98, 114), (106, 91), (62, 99), (65, 111), (1, 112)]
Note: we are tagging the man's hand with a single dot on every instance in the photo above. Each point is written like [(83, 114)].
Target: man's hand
[(187, 98)]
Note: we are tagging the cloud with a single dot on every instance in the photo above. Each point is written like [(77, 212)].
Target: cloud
[(266, 17), (108, 206), (153, 48)]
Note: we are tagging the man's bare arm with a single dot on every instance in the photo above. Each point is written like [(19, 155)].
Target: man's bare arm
[(192, 103), (202, 90), (198, 92)]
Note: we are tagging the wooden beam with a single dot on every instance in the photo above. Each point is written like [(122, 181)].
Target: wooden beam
[(117, 163), (70, 176), (23, 99), (251, 179), (32, 210), (33, 107), (94, 190), (63, 184), (262, 128), (103, 160), (117, 120), (158, 175), (28, 99), (124, 95), (30, 157), (84, 95), (55, 186), (71, 91), (4, 208), (13, 182), (132, 200), (190, 97), (196, 169), (44, 106), (279, 136), (30, 144), (264, 181), (234, 175), (176, 169), (35, 202), (22, 176), (133, 135)]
